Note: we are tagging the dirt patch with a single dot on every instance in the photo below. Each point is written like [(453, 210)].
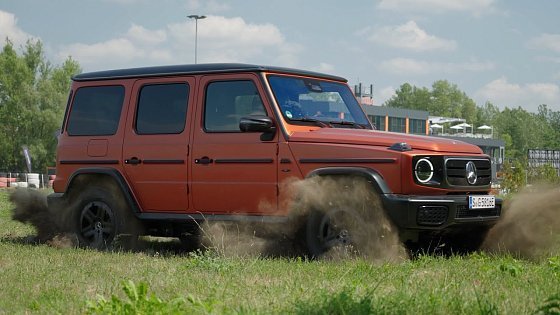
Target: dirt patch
[(530, 224)]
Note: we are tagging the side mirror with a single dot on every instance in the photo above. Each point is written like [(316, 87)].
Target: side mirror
[(258, 123)]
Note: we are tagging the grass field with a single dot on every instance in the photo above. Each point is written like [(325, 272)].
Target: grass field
[(42, 279)]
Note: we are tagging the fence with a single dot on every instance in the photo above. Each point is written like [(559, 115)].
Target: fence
[(25, 180)]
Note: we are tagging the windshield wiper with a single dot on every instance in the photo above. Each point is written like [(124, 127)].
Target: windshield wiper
[(348, 123), (317, 122)]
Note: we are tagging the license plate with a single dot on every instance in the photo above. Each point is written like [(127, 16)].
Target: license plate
[(482, 202)]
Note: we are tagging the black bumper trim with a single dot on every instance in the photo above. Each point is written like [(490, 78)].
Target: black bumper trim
[(408, 212)]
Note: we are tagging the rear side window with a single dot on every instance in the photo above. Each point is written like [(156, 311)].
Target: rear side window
[(162, 109), (96, 111), (227, 102)]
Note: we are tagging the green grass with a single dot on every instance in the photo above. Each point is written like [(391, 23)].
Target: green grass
[(42, 279)]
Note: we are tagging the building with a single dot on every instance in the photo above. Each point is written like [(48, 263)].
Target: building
[(419, 122)]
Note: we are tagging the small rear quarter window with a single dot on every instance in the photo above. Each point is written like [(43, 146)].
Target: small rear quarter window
[(96, 111)]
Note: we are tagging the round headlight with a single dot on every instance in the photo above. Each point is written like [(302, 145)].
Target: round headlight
[(424, 170)]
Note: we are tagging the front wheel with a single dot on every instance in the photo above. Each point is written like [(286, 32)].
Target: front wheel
[(336, 228), (345, 217)]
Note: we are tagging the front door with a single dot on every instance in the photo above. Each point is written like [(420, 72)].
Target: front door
[(156, 145), (233, 172)]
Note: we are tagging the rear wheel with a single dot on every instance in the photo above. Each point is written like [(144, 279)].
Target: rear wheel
[(191, 240), (97, 224), (101, 216)]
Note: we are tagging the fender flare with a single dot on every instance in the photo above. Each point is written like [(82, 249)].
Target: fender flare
[(112, 173), (369, 174)]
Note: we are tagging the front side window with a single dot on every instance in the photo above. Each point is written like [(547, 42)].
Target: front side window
[(162, 109), (227, 102), (313, 101), (96, 111)]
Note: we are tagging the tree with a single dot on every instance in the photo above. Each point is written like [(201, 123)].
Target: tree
[(32, 101), (514, 176), (444, 99)]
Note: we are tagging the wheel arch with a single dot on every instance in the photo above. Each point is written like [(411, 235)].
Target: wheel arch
[(368, 174), (104, 176)]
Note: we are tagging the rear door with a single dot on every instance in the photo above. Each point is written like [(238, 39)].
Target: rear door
[(233, 172), (156, 146)]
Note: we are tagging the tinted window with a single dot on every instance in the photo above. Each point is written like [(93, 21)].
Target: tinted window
[(96, 111), (162, 108), (228, 101)]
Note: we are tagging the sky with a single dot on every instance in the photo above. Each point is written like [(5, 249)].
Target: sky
[(504, 52)]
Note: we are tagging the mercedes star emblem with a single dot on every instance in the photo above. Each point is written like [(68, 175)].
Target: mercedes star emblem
[(470, 172)]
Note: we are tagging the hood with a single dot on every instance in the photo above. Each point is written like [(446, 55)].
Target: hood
[(384, 139)]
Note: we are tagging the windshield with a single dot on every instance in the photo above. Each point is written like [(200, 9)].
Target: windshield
[(312, 101)]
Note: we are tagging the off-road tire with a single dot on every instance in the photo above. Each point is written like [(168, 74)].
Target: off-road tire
[(100, 216)]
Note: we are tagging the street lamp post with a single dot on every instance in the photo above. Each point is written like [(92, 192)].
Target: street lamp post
[(196, 18)]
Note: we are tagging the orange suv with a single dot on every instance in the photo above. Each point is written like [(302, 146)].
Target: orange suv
[(160, 149)]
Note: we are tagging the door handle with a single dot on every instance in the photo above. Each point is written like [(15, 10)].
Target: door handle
[(133, 161), (203, 160)]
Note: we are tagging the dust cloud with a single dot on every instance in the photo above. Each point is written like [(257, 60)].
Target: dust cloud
[(352, 206), (530, 224), (31, 208), (349, 205)]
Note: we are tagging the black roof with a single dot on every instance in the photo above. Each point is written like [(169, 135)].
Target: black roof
[(194, 69)]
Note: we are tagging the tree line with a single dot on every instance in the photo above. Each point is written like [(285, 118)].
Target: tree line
[(33, 95)]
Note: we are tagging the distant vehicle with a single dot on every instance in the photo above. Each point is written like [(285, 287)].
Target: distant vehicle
[(161, 149)]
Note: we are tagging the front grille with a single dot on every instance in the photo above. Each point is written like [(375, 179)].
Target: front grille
[(463, 212), (432, 215), (455, 170)]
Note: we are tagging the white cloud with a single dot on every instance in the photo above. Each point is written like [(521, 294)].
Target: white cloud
[(142, 35), (529, 96), (438, 6), (137, 47), (409, 66), (9, 29), (115, 50), (410, 36), (546, 42), (383, 95), (324, 67), (220, 39)]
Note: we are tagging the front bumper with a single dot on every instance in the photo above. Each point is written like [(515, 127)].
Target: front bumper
[(438, 213)]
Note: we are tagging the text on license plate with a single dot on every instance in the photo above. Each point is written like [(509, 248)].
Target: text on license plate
[(482, 202)]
